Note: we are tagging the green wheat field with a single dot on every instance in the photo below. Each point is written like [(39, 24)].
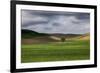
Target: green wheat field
[(56, 51)]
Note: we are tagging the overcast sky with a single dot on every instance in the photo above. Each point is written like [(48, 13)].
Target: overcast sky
[(55, 22)]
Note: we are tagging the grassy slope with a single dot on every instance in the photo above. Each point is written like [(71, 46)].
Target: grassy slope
[(69, 50)]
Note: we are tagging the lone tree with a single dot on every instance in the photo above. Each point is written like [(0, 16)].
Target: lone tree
[(63, 39)]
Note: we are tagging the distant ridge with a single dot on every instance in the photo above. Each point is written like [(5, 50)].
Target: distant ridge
[(29, 33)]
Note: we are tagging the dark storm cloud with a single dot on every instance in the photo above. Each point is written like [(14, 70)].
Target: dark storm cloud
[(34, 23), (83, 16), (55, 22)]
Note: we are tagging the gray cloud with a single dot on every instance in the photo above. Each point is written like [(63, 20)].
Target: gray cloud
[(55, 22)]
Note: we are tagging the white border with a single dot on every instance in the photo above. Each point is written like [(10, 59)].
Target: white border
[(20, 65)]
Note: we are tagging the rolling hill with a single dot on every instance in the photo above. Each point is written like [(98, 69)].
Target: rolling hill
[(29, 37), (30, 34), (85, 37)]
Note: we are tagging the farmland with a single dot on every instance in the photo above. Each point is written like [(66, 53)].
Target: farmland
[(56, 51)]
